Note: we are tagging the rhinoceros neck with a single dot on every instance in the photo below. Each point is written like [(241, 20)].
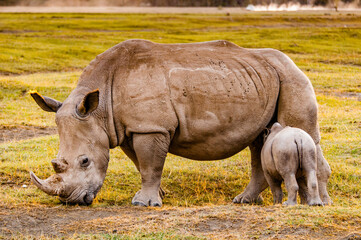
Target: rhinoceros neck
[(108, 106)]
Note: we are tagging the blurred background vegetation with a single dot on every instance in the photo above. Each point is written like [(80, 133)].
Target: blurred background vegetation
[(176, 3)]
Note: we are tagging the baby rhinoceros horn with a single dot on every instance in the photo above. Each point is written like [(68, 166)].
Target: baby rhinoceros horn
[(59, 165), (52, 185)]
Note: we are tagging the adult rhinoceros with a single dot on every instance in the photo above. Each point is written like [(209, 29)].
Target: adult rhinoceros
[(203, 101)]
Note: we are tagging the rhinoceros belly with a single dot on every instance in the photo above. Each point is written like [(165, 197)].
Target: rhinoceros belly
[(222, 105)]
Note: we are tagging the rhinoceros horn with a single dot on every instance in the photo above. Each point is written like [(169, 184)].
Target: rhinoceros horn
[(59, 165), (51, 186)]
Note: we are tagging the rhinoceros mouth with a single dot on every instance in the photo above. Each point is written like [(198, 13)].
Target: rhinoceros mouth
[(88, 199), (80, 196), (75, 197)]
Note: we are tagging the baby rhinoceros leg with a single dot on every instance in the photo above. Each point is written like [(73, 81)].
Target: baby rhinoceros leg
[(303, 190), (275, 186), (309, 166), (292, 189), (286, 162), (312, 185)]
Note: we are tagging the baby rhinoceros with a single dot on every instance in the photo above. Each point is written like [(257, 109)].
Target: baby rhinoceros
[(289, 154)]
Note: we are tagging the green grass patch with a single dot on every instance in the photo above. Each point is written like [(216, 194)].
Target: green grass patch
[(18, 108), (67, 42), (325, 47)]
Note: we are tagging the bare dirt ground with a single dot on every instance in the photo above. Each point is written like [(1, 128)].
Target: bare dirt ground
[(15, 133), (214, 222), (348, 95)]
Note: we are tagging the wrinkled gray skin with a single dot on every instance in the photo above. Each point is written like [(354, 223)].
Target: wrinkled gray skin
[(289, 154), (203, 101)]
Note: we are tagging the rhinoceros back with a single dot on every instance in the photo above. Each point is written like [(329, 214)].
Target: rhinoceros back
[(223, 99)]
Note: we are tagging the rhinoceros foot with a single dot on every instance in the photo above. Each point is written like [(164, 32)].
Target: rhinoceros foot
[(315, 202), (144, 199), (289, 203), (245, 198), (326, 200)]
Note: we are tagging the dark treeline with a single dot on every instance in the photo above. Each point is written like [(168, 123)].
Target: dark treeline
[(172, 3), (198, 3), (243, 3)]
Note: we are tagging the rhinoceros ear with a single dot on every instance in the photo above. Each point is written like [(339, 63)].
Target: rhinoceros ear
[(89, 103), (46, 103), (276, 127)]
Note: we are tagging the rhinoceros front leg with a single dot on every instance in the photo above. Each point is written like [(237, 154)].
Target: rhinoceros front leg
[(258, 182), (129, 151), (151, 151)]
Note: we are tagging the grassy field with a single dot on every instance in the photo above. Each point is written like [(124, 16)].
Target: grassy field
[(47, 52)]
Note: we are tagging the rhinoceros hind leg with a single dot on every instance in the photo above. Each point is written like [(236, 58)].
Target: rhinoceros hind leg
[(292, 189), (151, 151), (258, 182), (303, 191), (323, 174), (312, 185), (276, 189)]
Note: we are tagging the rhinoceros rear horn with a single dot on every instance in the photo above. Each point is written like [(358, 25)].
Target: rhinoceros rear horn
[(59, 165), (46, 103), (89, 103), (51, 185)]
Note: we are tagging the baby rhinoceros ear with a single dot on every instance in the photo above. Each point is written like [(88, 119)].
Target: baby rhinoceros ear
[(46, 103), (276, 127), (89, 103)]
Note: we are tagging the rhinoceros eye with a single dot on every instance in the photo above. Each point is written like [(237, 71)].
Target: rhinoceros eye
[(84, 161)]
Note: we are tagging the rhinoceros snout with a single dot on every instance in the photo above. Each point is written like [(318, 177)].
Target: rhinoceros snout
[(85, 198), (88, 199)]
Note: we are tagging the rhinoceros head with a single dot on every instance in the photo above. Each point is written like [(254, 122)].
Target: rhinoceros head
[(82, 161)]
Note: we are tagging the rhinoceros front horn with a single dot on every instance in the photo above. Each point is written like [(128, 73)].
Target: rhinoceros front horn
[(51, 186)]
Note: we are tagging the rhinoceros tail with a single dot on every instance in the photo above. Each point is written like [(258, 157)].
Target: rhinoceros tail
[(299, 148)]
